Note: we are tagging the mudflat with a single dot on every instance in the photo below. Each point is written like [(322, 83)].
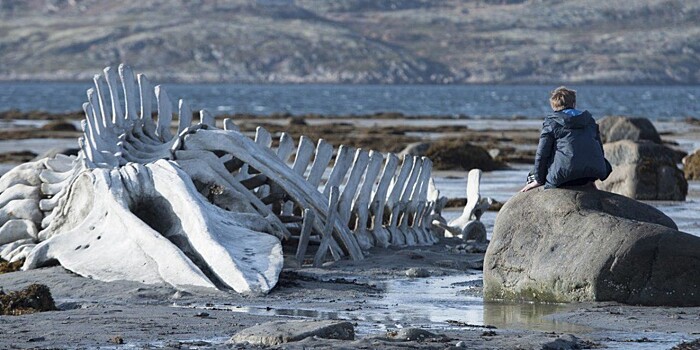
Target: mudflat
[(435, 288)]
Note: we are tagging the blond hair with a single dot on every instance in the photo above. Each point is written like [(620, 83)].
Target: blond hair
[(562, 98)]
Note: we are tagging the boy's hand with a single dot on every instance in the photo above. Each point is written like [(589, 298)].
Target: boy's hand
[(530, 186)]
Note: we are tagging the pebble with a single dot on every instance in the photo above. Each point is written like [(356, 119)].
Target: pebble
[(417, 272)]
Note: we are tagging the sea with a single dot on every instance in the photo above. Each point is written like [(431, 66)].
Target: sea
[(475, 101)]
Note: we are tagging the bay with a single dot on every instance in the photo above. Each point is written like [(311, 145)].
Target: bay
[(477, 101)]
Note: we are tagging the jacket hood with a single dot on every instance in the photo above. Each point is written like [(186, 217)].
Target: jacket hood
[(572, 118)]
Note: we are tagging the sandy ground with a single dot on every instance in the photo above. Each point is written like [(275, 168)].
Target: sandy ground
[(375, 294)]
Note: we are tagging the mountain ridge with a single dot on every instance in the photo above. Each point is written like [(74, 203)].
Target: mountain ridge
[(356, 41)]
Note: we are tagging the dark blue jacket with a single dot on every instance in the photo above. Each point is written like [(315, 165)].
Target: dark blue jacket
[(569, 149)]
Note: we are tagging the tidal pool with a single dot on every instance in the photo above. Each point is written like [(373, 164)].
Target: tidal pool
[(434, 303)]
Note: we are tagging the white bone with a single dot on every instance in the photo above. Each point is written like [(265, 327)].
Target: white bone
[(381, 236), (8, 250), (263, 137), (285, 148), (343, 160), (27, 174), (17, 229), (101, 106), (206, 118), (328, 228), (129, 86), (324, 153), (303, 157), (306, 228), (165, 114), (20, 252), (61, 163), (230, 125), (361, 204), (20, 209), (117, 114), (351, 187), (185, 116), (473, 198), (19, 191), (393, 200), (149, 127)]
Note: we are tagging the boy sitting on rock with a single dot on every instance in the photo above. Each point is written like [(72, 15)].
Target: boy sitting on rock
[(570, 152)]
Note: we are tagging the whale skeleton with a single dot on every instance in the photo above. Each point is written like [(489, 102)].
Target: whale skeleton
[(207, 206)]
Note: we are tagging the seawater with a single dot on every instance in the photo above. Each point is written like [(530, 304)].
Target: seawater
[(477, 101)]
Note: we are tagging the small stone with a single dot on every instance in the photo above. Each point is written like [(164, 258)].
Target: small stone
[(412, 334), (36, 339), (417, 272), (117, 340), (461, 344), (279, 332), (201, 314)]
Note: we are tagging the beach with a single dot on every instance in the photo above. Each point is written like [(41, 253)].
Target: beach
[(378, 295)]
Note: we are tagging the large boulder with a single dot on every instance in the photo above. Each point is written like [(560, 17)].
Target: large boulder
[(691, 166), (644, 170), (576, 244), (616, 128), (459, 154)]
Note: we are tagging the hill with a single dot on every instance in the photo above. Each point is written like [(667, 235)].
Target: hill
[(356, 41)]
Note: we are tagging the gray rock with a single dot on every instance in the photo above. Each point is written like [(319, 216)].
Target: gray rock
[(616, 128), (417, 272), (644, 170), (565, 342), (564, 245), (413, 334), (278, 332)]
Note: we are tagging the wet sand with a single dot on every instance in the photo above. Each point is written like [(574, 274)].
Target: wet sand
[(375, 294)]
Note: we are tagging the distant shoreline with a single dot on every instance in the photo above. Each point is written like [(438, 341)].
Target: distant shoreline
[(170, 80)]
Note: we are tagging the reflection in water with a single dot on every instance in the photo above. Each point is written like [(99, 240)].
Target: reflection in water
[(528, 316), (432, 303)]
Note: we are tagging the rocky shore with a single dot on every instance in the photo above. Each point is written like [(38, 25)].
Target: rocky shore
[(421, 297)]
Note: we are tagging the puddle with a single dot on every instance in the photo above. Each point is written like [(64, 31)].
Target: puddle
[(436, 303), (446, 302)]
